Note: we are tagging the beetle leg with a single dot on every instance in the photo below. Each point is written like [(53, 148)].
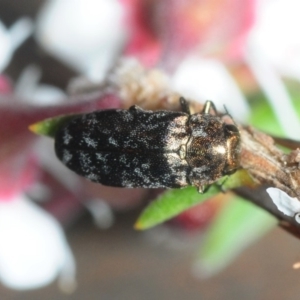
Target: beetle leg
[(135, 108), (220, 185), (207, 106), (200, 189), (229, 115), (185, 105)]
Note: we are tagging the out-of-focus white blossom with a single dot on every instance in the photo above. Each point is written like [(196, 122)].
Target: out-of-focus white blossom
[(272, 85), (30, 90), (208, 79), (33, 249), (273, 52), (85, 34), (10, 39), (276, 34), (101, 212)]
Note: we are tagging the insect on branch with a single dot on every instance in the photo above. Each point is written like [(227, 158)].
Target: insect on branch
[(201, 138)]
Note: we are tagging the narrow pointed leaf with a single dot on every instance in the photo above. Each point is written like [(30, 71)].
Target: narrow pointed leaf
[(48, 127), (239, 178), (170, 204), (173, 202)]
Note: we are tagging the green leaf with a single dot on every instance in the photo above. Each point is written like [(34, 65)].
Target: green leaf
[(173, 202), (49, 127), (263, 117), (170, 204), (236, 226), (239, 178)]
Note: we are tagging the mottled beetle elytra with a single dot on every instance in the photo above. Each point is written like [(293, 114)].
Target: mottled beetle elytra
[(151, 149)]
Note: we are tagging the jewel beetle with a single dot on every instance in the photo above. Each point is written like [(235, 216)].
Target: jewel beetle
[(151, 149)]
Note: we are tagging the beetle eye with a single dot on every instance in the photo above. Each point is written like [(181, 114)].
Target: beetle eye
[(231, 128)]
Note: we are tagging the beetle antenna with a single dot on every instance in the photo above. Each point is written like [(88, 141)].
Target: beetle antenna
[(185, 105), (229, 115), (209, 105)]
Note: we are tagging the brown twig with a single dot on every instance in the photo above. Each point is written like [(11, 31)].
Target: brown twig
[(267, 164)]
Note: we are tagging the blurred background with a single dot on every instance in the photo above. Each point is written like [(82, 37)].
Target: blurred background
[(63, 237)]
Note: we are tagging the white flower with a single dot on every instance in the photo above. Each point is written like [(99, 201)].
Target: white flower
[(11, 38), (279, 41), (33, 249), (286, 204), (208, 79), (85, 34), (274, 51), (30, 90)]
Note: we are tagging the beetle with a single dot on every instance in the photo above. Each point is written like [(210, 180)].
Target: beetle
[(151, 149)]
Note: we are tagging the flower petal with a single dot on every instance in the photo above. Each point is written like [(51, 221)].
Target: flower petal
[(286, 204), (33, 248)]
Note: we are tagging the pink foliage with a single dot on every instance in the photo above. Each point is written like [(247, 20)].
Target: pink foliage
[(18, 167)]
